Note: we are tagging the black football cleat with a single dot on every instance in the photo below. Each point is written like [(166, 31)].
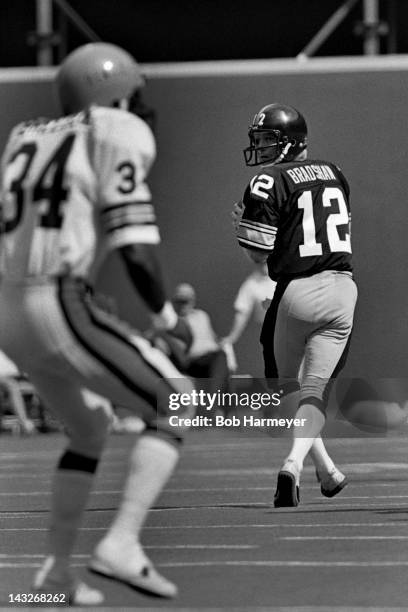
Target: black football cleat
[(287, 493)]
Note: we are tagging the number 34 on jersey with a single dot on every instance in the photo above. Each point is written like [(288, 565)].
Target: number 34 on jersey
[(73, 188)]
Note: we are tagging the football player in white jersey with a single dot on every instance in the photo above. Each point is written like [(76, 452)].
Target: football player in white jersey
[(72, 189)]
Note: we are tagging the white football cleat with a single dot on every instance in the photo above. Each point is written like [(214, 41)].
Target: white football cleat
[(332, 482), (132, 567), (77, 593)]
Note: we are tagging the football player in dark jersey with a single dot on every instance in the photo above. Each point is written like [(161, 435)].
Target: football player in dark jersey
[(295, 215)]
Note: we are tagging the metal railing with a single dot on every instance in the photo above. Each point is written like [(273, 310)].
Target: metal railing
[(370, 28), (45, 39)]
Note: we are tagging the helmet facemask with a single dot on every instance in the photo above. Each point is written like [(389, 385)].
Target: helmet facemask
[(270, 153), (264, 148)]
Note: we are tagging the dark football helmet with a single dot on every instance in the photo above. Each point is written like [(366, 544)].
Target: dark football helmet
[(277, 133), (97, 73)]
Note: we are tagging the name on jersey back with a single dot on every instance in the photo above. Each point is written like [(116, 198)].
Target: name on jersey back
[(313, 172)]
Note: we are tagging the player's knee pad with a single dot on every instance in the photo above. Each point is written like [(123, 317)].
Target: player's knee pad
[(314, 390), (73, 461), (288, 392)]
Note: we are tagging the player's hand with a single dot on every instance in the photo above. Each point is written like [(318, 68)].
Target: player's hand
[(236, 214), (167, 320)]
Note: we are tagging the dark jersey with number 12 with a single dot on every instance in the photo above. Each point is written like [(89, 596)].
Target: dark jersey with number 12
[(299, 213)]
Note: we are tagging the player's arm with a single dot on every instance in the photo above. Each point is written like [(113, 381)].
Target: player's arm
[(258, 226), (144, 270), (127, 214), (236, 216), (256, 255)]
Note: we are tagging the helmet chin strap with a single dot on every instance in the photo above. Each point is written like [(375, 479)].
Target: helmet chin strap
[(283, 154)]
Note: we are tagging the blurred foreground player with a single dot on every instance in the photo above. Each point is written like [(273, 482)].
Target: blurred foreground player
[(295, 215), (72, 189)]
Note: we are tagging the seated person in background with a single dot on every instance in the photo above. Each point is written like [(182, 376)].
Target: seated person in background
[(206, 357), (252, 300), (15, 384)]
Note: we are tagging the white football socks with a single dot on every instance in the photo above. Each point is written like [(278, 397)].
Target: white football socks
[(314, 424), (152, 462)]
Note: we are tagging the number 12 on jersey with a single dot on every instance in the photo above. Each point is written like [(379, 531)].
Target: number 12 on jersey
[(310, 246)]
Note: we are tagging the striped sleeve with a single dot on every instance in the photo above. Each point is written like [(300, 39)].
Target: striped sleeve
[(255, 235), (259, 224), (124, 152), (130, 222)]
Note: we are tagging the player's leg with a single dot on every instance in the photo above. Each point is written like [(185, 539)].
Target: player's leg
[(126, 369), (152, 461), (324, 465), (326, 471), (98, 352), (120, 554), (87, 429), (285, 345), (334, 308)]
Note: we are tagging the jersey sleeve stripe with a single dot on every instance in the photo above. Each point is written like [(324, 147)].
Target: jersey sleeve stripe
[(120, 216), (264, 239), (121, 226), (257, 238), (147, 217), (267, 229), (119, 205), (141, 234), (255, 245)]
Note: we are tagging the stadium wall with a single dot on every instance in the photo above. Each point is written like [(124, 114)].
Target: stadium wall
[(356, 109)]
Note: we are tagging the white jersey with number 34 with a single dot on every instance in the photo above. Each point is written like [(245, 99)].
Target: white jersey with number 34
[(73, 188)]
